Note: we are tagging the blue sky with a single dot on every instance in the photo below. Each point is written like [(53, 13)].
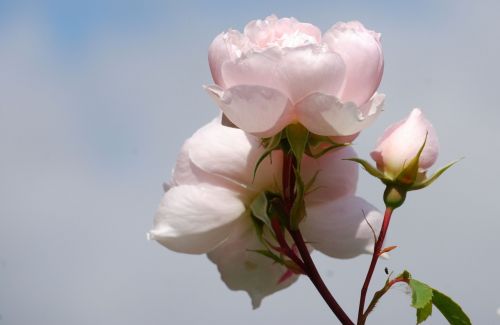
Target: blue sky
[(97, 97)]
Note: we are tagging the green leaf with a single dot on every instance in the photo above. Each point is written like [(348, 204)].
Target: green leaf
[(424, 312), (450, 309), (270, 144), (421, 294), (297, 136), (431, 179), (369, 168)]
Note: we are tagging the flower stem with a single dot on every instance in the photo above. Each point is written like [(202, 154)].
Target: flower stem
[(289, 167), (376, 254), (380, 293)]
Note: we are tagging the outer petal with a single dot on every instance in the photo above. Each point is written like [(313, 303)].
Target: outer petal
[(295, 72), (230, 154), (401, 142), (242, 269), (338, 228), (362, 53), (225, 47), (326, 115), (336, 177), (258, 110), (195, 219)]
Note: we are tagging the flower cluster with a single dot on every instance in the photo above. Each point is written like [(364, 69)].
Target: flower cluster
[(206, 208), (273, 177)]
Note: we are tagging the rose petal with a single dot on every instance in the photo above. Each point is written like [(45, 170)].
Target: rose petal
[(284, 32), (336, 178), (401, 141), (339, 229), (195, 219), (362, 54), (308, 69), (258, 110), (231, 154), (295, 72), (227, 46), (326, 115), (242, 269)]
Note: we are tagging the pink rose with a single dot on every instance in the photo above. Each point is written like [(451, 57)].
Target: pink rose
[(207, 207), (282, 71), (401, 142)]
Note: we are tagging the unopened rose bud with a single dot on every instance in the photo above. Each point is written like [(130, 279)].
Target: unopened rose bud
[(401, 143)]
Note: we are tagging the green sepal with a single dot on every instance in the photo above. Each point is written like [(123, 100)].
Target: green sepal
[(428, 181), (370, 169), (298, 211), (450, 309), (311, 182), (409, 174), (316, 141), (424, 312), (297, 136), (259, 208), (270, 144), (271, 255)]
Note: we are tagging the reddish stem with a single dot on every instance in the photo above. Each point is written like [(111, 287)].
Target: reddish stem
[(289, 166), (376, 254), (285, 248)]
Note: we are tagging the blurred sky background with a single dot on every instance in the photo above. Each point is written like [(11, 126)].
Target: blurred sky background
[(96, 98)]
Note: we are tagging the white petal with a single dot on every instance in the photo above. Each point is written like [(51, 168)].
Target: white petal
[(242, 269), (336, 177), (326, 115), (362, 53), (258, 110), (339, 228), (195, 219), (226, 157)]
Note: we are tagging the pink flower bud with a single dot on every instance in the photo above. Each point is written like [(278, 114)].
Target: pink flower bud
[(401, 142)]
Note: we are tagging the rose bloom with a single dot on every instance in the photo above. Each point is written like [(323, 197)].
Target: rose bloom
[(401, 142), (282, 71), (206, 207)]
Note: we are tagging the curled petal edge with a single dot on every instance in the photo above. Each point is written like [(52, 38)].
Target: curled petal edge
[(327, 115), (258, 110)]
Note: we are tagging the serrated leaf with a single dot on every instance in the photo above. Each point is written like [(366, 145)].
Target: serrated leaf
[(369, 168), (421, 293), (431, 179), (297, 136), (424, 312), (450, 309)]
